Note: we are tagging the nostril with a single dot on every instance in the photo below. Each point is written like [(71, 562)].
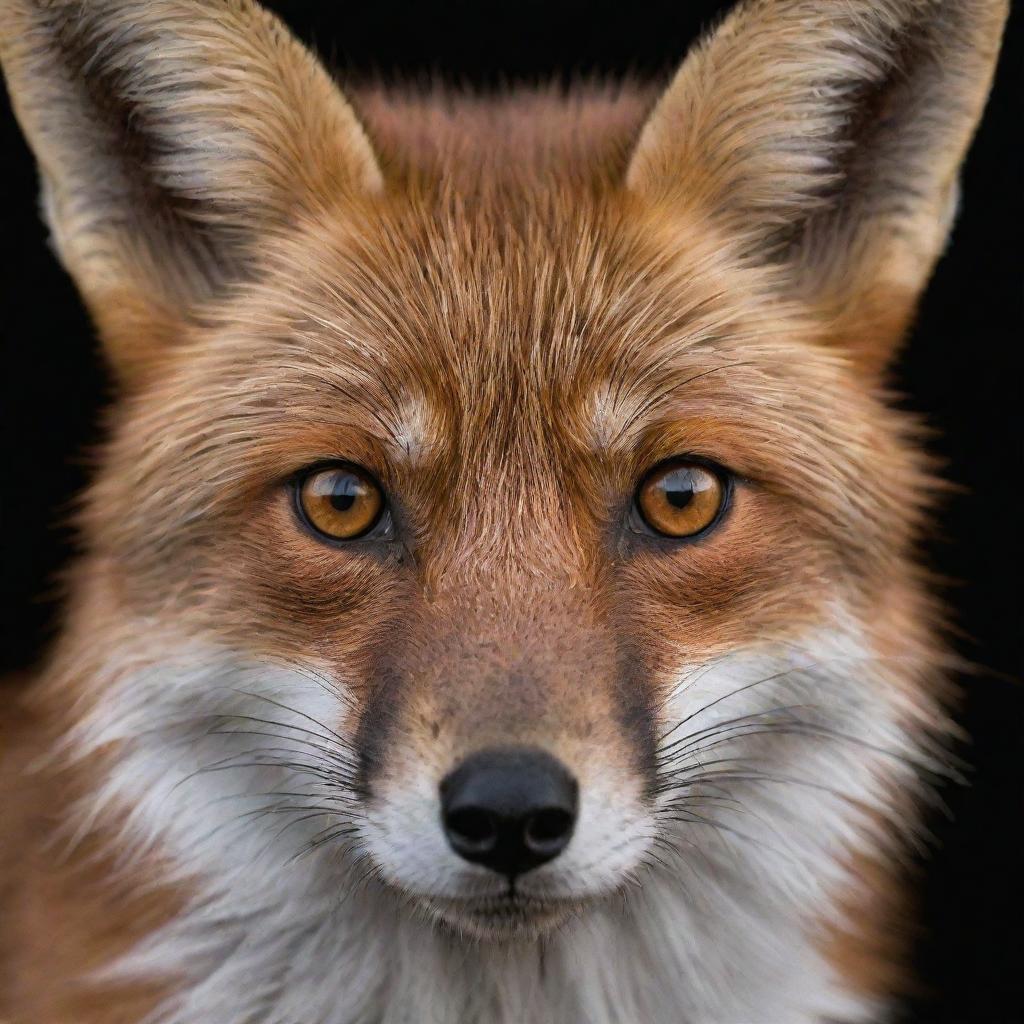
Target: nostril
[(472, 829), (548, 830)]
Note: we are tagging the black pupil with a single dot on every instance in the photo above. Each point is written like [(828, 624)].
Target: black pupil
[(346, 488), (678, 487)]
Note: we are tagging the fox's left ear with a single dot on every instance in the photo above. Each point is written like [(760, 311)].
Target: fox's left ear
[(824, 138)]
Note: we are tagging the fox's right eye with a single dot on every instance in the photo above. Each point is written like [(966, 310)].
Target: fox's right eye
[(339, 502)]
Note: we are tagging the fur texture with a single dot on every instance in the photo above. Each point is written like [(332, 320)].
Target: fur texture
[(508, 310)]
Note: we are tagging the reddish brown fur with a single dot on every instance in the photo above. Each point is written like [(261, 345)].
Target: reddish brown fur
[(507, 338)]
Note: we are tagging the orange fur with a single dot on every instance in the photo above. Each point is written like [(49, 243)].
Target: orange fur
[(508, 310)]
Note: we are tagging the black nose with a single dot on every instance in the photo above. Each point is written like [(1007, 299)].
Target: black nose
[(509, 808)]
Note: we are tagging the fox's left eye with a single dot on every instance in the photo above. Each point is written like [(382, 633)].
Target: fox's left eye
[(682, 498), (340, 502)]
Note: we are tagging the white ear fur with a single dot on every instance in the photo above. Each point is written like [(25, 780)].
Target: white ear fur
[(172, 135), (825, 137)]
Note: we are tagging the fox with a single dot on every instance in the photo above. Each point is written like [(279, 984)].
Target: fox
[(499, 595)]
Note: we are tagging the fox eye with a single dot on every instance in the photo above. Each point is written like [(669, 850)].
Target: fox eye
[(681, 498), (341, 502)]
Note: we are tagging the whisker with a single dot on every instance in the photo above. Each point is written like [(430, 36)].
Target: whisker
[(294, 711), (681, 744)]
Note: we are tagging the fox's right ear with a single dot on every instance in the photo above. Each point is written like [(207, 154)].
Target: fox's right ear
[(173, 137)]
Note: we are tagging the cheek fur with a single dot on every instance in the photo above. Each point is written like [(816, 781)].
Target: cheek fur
[(787, 754), (209, 746)]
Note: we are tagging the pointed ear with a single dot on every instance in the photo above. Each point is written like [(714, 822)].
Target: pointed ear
[(824, 138), (173, 136)]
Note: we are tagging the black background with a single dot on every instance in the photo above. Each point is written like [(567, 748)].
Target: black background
[(961, 368)]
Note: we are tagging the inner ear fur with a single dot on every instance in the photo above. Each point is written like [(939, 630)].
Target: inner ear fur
[(824, 138), (172, 136)]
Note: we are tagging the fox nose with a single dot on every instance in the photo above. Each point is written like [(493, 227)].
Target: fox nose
[(510, 809)]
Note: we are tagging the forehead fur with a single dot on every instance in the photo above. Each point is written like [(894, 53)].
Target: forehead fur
[(540, 333)]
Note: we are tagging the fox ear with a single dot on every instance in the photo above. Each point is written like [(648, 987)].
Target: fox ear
[(824, 138), (172, 137)]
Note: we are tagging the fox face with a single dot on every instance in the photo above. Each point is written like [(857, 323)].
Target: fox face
[(503, 537)]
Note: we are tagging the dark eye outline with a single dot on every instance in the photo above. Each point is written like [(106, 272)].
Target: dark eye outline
[(380, 529), (638, 521)]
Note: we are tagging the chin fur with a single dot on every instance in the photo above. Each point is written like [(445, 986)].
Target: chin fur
[(504, 919)]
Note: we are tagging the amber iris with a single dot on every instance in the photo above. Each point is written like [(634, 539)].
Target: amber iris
[(681, 499), (341, 502)]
